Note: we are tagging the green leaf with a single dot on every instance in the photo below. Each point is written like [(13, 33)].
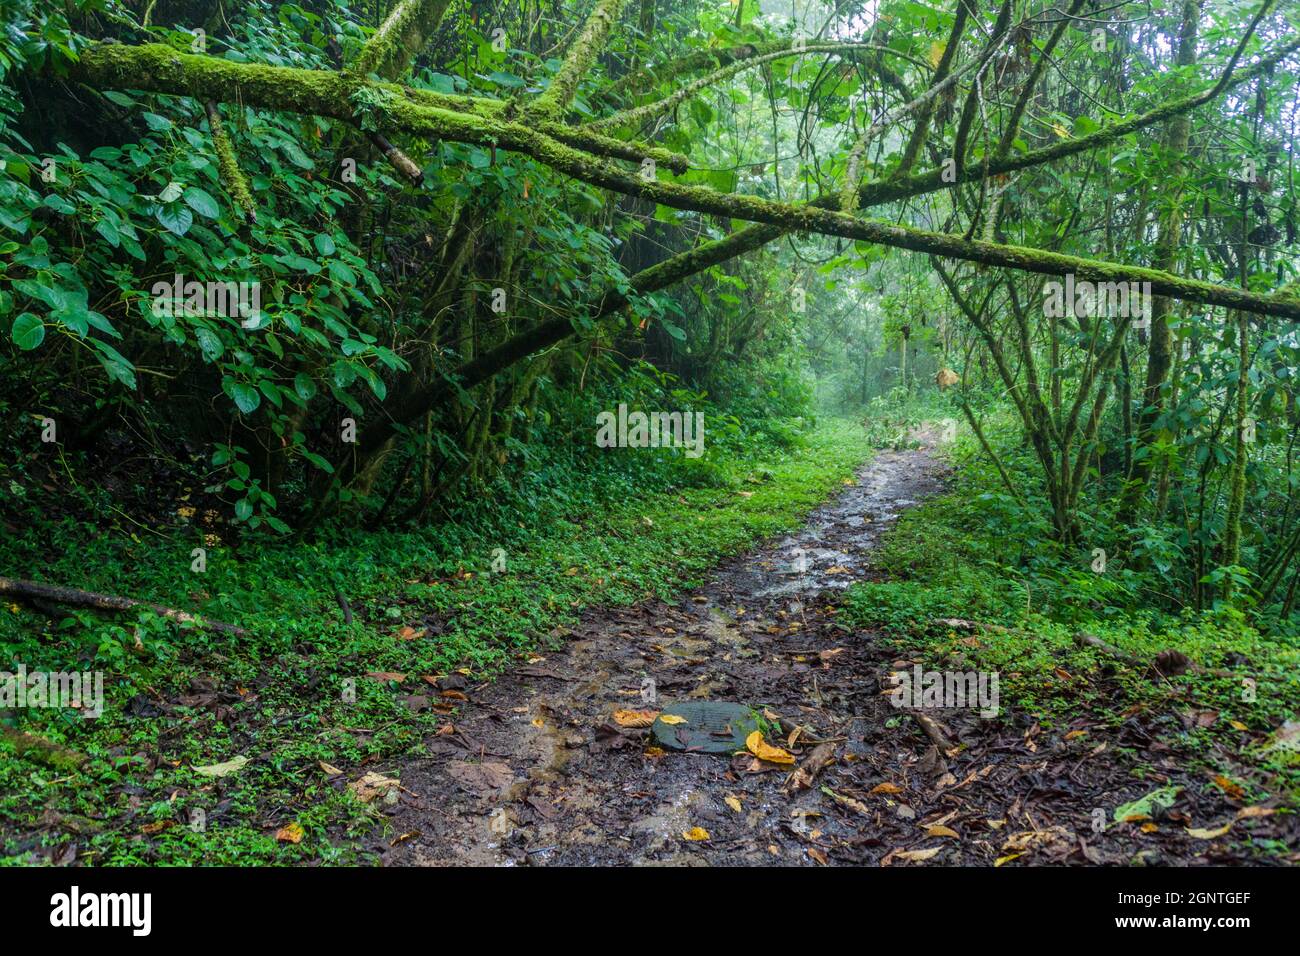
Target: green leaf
[(304, 386), (202, 203), (175, 218), (245, 396), (28, 332)]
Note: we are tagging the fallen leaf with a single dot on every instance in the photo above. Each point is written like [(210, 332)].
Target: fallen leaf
[(635, 718), (221, 769), (733, 802), (818, 855), (918, 856), (386, 675), (290, 833), (1230, 787), (885, 788), (671, 719), (1197, 833), (1007, 859), (1142, 808), (1246, 813), (695, 834), (941, 831), (330, 769), (761, 749), (371, 786)]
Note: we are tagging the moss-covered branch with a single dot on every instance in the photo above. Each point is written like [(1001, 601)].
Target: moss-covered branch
[(232, 177), (583, 53), (400, 37), (650, 110)]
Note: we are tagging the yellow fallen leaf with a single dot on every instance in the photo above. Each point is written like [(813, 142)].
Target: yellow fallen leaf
[(885, 788), (635, 718), (330, 769), (1149, 828), (671, 719), (654, 751), (917, 856), (761, 749), (941, 831), (695, 834), (1238, 725), (1197, 833), (733, 802), (291, 833), (1006, 859)]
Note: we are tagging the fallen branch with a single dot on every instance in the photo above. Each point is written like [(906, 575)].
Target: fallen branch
[(28, 590), (1166, 664), (812, 765), (933, 730), (43, 751)]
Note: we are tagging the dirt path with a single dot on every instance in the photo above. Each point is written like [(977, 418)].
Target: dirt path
[(536, 772)]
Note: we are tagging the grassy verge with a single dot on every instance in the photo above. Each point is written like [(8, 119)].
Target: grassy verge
[(294, 698), (973, 555)]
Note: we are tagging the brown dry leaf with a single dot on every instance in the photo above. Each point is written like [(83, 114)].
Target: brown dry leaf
[(654, 752), (1246, 813), (635, 718), (1029, 839), (409, 633), (372, 785), (857, 806), (917, 856), (838, 569), (761, 749), (1149, 828), (818, 855), (454, 695), (939, 830), (386, 675), (671, 720), (733, 802), (1076, 733), (885, 788), (695, 834), (1230, 787), (290, 833), (1196, 833), (330, 769), (157, 826)]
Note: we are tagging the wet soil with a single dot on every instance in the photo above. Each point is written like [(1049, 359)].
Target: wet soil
[(536, 771)]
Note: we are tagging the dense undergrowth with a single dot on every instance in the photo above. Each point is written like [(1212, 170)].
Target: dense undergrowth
[(972, 581), (588, 528)]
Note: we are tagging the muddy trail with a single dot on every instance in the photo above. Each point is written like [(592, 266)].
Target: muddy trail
[(537, 770)]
